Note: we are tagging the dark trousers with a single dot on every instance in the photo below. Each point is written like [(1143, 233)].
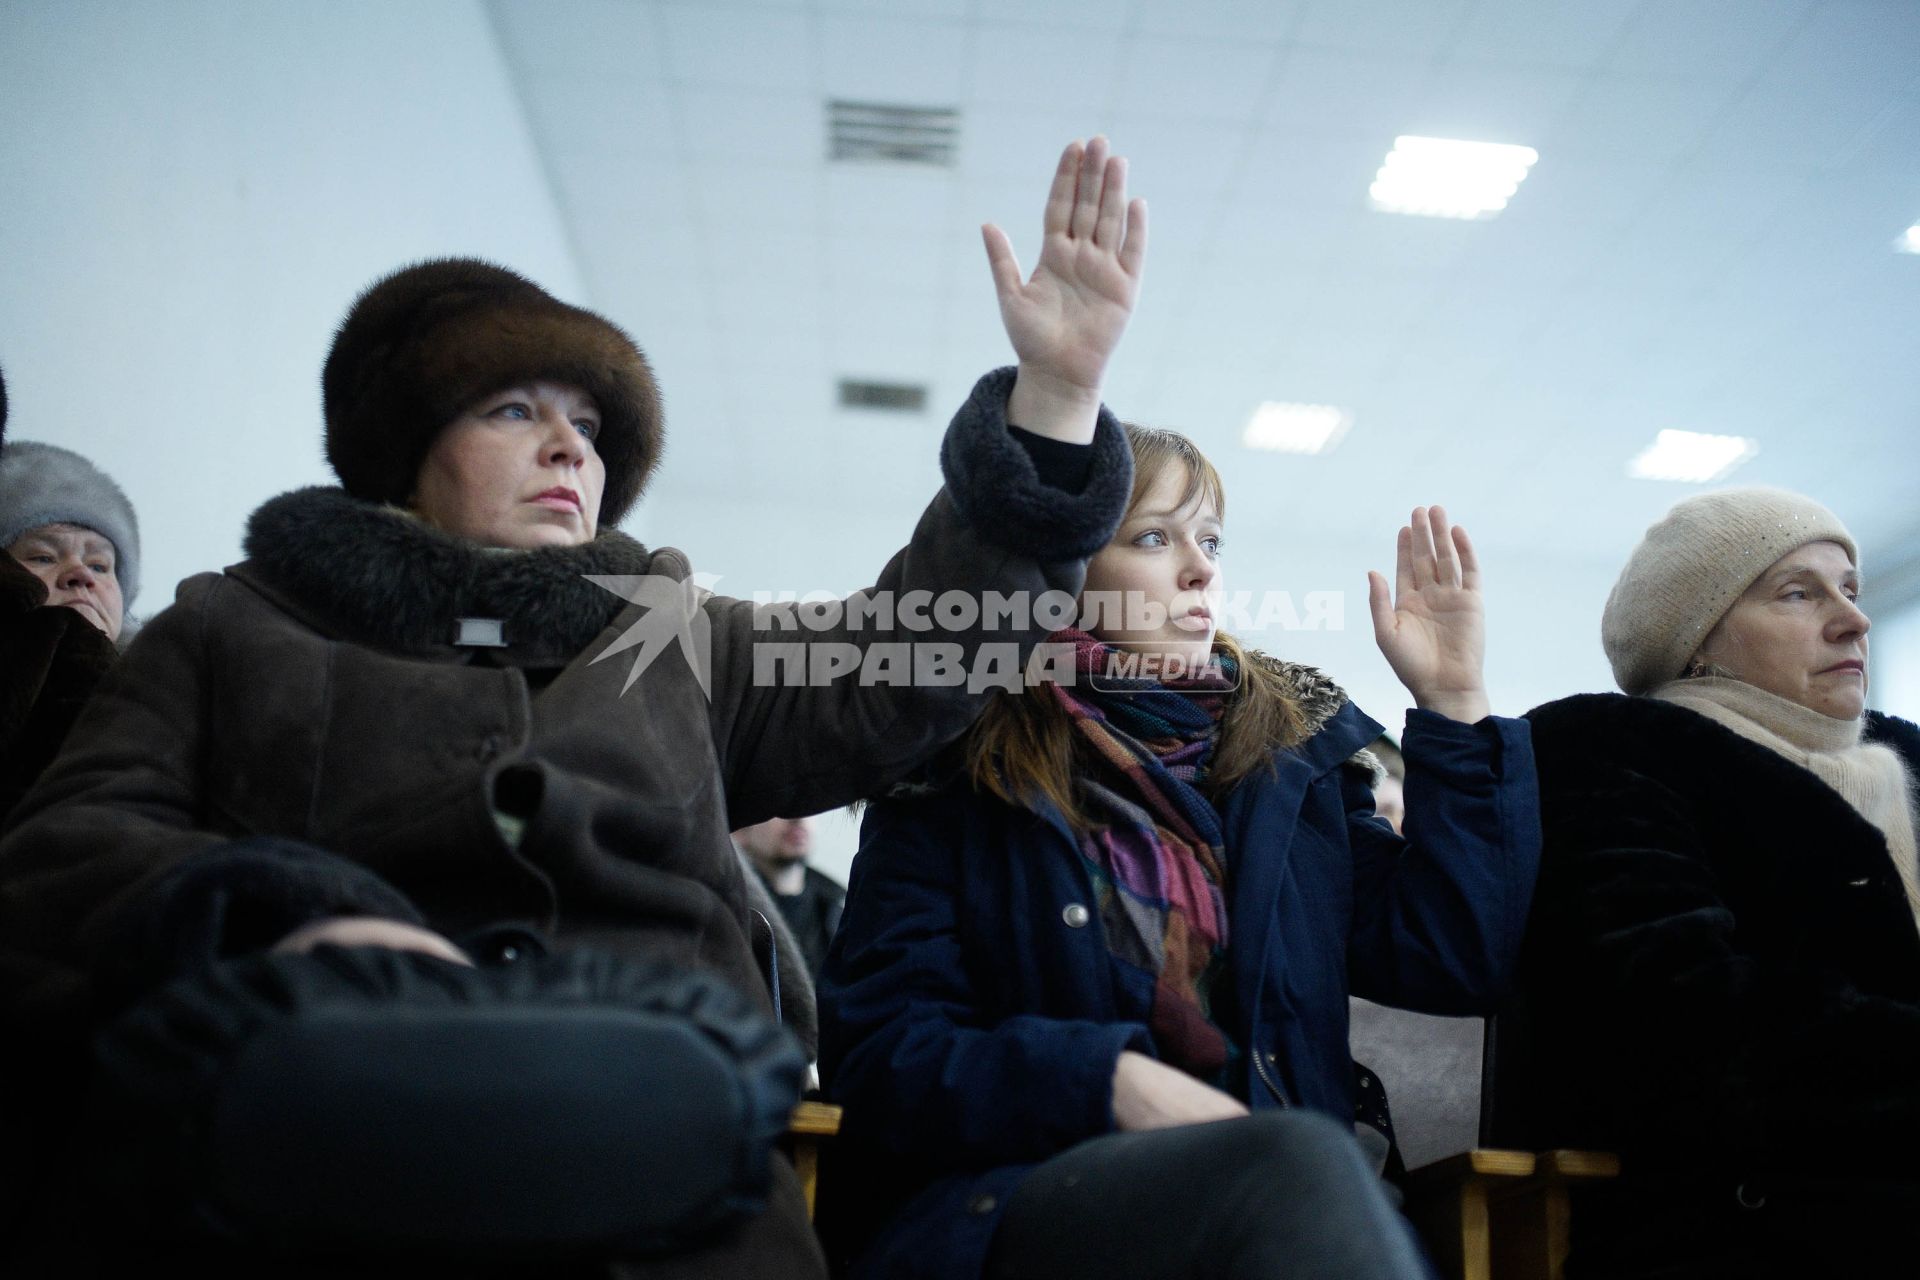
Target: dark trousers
[(1278, 1195)]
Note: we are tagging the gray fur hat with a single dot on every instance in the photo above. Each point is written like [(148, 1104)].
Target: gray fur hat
[(43, 484)]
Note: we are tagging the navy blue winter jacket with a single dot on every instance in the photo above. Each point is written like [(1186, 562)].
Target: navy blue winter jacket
[(970, 1012)]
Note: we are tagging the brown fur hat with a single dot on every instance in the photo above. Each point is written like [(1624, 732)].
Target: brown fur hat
[(420, 346)]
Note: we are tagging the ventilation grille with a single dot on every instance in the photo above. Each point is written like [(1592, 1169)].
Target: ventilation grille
[(886, 134), (892, 397)]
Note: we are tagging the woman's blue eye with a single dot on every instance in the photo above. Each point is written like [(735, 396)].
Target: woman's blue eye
[(1213, 545), (514, 410), (1141, 541), (587, 427)]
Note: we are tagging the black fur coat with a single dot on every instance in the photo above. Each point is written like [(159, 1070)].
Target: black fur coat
[(50, 660), (1723, 985)]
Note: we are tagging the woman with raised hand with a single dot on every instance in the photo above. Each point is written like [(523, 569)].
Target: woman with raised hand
[(378, 769), (1722, 979), (1088, 1006)]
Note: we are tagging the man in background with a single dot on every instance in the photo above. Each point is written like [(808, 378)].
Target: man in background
[(809, 901)]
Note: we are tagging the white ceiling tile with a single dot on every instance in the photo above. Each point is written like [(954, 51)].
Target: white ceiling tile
[(1347, 92), (1060, 70), (769, 278), (890, 199), (1021, 144), (1194, 79), (1554, 35), (1491, 102), (1322, 170), (886, 336), (892, 263), (590, 42), (1274, 235), (613, 199), (1389, 27), (733, 199), (1813, 121), (1070, 13), (1615, 119), (628, 121), (1579, 199), (1188, 159), (917, 63), (954, 9), (1692, 38), (727, 124), (1238, 20), (746, 48)]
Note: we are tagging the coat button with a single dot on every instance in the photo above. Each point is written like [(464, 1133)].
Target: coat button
[(984, 1203), (1076, 915)]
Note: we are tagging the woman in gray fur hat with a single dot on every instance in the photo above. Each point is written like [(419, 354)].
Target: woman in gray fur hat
[(1723, 969), (385, 744), (71, 568)]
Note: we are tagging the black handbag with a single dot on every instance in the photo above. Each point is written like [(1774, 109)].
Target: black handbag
[(366, 1102)]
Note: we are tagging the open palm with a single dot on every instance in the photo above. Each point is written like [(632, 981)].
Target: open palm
[(1433, 627), (1066, 320)]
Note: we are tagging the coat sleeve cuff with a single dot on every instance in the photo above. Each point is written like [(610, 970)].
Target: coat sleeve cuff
[(1059, 465), (996, 484), (232, 900)]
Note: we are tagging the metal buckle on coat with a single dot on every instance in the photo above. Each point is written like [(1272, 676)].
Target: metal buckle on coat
[(480, 633)]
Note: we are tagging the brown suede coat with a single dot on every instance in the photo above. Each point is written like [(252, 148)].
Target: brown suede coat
[(312, 692)]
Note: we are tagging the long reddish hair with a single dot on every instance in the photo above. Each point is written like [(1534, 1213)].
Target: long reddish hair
[(1024, 748)]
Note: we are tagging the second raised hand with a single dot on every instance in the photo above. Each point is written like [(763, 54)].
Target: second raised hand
[(1432, 628), (1067, 318)]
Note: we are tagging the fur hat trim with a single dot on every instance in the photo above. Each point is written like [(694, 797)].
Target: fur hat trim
[(43, 484), (420, 346)]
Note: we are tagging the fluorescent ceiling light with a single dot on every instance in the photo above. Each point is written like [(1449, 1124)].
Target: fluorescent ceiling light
[(1296, 428), (1691, 457), (1909, 241), (1445, 178)]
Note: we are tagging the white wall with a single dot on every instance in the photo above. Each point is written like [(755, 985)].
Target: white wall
[(1895, 666), (191, 193)]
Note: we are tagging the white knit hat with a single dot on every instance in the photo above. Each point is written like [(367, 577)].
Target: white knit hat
[(1691, 567), (43, 484)]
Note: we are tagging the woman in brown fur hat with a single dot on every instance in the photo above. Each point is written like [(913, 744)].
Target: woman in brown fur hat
[(379, 765)]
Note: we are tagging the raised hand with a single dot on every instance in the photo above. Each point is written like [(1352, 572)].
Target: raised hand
[(1433, 628), (1066, 320)]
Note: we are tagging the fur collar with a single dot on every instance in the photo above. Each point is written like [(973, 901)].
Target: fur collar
[(1617, 726), (1313, 690), (1700, 760), (375, 574)]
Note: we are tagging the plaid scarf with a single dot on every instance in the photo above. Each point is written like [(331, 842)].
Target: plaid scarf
[(1156, 854)]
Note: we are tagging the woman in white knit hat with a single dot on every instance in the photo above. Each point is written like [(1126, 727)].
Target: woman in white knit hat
[(1723, 969)]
